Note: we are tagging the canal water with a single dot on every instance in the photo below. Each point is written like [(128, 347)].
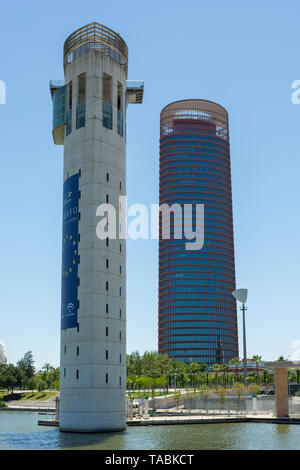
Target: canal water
[(19, 430)]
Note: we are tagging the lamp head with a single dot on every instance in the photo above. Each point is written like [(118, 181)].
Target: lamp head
[(241, 295)]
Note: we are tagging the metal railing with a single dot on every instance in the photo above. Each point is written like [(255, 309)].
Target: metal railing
[(96, 33)]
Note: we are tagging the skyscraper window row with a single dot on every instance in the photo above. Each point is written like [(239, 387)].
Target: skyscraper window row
[(211, 204), (213, 293), (208, 326), (194, 270), (190, 267), (189, 284), (200, 164), (195, 144), (178, 256), (195, 190), (177, 312), (171, 246), (175, 171), (198, 343), (191, 159), (205, 301), (210, 333), (217, 315), (196, 180)]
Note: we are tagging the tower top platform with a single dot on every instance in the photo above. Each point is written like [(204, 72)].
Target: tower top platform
[(95, 35)]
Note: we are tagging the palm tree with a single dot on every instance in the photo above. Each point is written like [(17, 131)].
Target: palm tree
[(216, 368), (196, 367), (281, 359), (235, 362), (46, 367), (257, 359), (224, 368)]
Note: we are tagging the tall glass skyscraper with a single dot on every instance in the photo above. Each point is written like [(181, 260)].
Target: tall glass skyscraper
[(197, 313)]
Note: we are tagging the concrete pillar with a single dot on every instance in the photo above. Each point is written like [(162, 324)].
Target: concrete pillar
[(146, 414), (281, 392), (57, 408), (130, 408)]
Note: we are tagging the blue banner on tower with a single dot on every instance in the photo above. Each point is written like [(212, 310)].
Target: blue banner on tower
[(69, 284)]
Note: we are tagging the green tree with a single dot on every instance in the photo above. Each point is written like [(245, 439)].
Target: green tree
[(203, 393), (257, 359), (26, 364), (32, 384), (221, 391), (42, 385), (239, 390), (282, 358), (235, 362), (196, 367), (254, 389)]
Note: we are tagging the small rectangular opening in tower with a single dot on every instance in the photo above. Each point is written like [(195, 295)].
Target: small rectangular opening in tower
[(69, 109), (80, 107), (120, 109), (107, 101)]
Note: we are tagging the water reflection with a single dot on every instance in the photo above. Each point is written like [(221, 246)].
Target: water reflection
[(19, 430)]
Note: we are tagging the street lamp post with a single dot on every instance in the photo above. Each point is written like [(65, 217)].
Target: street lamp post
[(241, 295)]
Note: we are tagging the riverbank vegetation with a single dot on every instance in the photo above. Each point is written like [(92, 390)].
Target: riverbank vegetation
[(150, 374)]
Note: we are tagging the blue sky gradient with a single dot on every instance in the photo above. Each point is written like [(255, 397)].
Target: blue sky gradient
[(244, 56)]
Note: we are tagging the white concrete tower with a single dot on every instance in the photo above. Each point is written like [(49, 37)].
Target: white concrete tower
[(89, 115)]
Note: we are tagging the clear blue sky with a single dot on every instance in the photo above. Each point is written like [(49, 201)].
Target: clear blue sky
[(243, 55)]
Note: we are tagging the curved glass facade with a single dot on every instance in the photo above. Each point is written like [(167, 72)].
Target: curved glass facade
[(197, 312), (59, 107)]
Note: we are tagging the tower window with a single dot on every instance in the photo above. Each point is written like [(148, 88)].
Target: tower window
[(65, 349), (106, 285), (120, 269), (80, 108), (78, 281), (106, 331), (107, 101), (78, 259), (120, 109), (106, 354), (107, 243), (120, 335), (65, 372), (107, 264), (107, 198), (69, 110), (77, 350), (107, 177), (120, 312), (106, 378), (78, 304), (120, 291), (120, 358), (106, 309), (77, 374), (79, 172), (120, 381), (120, 185), (77, 327)]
